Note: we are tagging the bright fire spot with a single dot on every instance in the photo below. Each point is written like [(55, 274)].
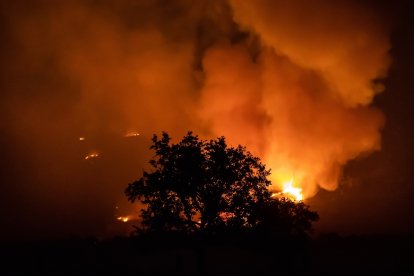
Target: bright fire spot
[(295, 192), (290, 191), (92, 155), (123, 219), (132, 134), (81, 138)]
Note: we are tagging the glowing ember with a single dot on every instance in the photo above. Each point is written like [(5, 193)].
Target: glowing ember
[(91, 156), (81, 138), (124, 219), (132, 134)]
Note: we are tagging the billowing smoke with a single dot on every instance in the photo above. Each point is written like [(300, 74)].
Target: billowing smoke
[(302, 99), (291, 80)]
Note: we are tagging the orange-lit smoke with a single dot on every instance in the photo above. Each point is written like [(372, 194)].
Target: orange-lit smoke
[(301, 99), (291, 80)]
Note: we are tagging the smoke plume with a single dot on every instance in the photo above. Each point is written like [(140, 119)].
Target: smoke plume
[(291, 80), (302, 99)]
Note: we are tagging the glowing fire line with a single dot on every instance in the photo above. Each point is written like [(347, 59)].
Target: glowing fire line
[(132, 134), (92, 155), (124, 219)]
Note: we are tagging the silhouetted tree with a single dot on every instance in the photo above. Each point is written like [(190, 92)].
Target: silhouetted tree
[(206, 186), (283, 217)]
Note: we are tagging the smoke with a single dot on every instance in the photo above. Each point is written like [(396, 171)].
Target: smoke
[(293, 81), (302, 101), (95, 70)]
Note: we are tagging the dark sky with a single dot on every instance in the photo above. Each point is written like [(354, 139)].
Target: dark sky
[(378, 197), (293, 82)]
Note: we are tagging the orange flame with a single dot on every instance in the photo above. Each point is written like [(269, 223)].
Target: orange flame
[(290, 191), (91, 156), (124, 218), (132, 134)]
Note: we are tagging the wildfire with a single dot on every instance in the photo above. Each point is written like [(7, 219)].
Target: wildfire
[(294, 192), (91, 156), (124, 219), (132, 134), (290, 191)]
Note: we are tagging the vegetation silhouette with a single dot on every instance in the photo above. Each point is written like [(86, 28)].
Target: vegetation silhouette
[(207, 210), (210, 189)]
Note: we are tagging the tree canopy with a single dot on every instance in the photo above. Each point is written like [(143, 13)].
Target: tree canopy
[(206, 186)]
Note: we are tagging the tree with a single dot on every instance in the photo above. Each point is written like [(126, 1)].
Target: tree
[(207, 187), (283, 217)]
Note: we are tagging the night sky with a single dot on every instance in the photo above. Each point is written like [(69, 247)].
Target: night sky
[(320, 90), (379, 197)]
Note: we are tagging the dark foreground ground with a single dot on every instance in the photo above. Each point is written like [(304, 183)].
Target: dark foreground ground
[(126, 256)]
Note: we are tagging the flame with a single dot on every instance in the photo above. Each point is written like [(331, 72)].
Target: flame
[(92, 155), (294, 192), (81, 138), (124, 218), (132, 134)]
